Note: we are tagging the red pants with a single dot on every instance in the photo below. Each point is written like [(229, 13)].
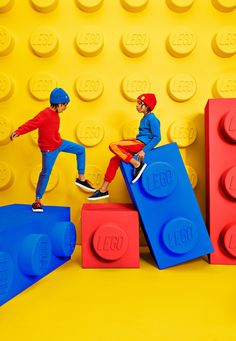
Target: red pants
[(124, 150)]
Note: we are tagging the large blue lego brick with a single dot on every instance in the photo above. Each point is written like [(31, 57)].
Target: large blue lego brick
[(32, 245), (172, 220)]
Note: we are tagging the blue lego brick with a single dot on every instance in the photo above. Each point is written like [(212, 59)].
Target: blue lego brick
[(32, 245), (172, 220)]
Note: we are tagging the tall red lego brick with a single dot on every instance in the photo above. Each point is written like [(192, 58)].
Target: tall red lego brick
[(110, 236), (220, 126)]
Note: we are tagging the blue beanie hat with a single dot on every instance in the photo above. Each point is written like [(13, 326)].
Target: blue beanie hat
[(59, 96)]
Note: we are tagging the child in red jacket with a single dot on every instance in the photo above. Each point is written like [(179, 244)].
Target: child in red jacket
[(51, 144)]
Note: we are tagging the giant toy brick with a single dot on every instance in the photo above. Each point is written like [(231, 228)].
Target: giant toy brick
[(32, 245), (220, 122), (106, 53), (110, 236), (171, 217)]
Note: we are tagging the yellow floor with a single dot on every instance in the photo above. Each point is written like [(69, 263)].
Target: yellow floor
[(192, 301)]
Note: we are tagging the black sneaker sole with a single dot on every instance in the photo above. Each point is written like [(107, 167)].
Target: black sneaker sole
[(139, 174), (85, 188), (99, 198)]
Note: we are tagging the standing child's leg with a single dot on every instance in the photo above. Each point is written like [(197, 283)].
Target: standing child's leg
[(48, 160)]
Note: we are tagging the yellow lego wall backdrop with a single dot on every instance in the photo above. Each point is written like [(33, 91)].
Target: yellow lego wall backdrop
[(104, 54)]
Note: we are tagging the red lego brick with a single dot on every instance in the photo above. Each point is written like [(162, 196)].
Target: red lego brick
[(110, 236), (220, 126)]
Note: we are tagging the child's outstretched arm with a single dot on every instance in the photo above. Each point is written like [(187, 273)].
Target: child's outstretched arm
[(30, 125)]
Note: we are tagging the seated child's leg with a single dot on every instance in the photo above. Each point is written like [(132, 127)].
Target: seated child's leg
[(103, 193), (112, 169), (125, 149), (129, 149)]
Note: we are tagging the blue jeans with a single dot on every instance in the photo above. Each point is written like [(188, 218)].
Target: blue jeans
[(49, 158)]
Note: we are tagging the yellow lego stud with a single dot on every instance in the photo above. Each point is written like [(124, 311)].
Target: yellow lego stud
[(90, 5), (89, 133), (6, 176), (44, 5), (135, 84), (134, 5), (183, 132), (181, 42), (94, 175), (225, 86), (53, 180), (224, 5), (43, 41), (5, 130), (130, 129), (89, 41), (6, 41), (6, 5), (6, 87), (134, 43), (192, 174), (105, 54), (179, 5), (182, 87), (41, 84), (89, 87), (224, 42)]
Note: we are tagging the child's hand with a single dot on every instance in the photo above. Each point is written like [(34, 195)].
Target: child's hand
[(13, 136), (141, 155)]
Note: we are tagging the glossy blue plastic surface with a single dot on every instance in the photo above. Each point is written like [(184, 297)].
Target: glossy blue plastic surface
[(32, 245), (172, 220)]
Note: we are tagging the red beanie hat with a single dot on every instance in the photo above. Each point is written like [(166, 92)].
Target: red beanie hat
[(149, 100)]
